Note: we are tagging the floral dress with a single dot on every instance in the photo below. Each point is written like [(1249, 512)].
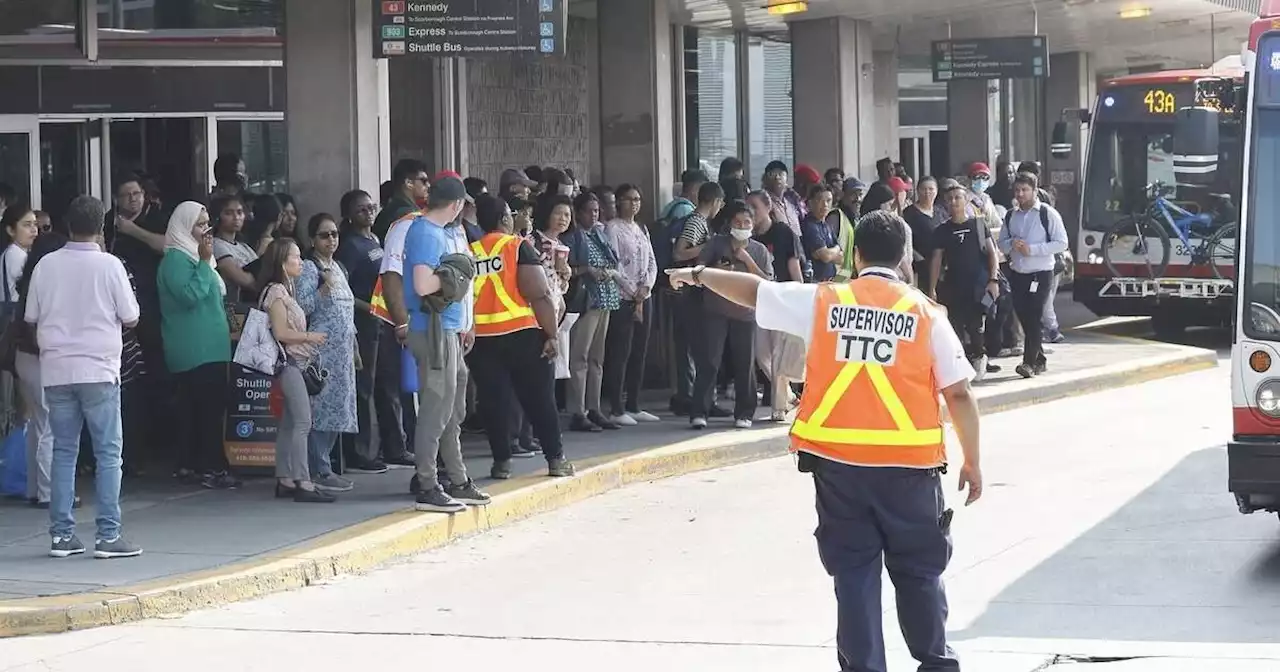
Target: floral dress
[(333, 314), (603, 294)]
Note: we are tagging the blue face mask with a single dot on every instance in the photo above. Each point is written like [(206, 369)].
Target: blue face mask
[(980, 186)]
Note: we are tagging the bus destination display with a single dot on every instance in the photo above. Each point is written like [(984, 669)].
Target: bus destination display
[(1149, 102), (469, 27)]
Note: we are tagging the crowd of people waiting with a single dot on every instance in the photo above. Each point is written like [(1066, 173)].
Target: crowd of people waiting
[(538, 298)]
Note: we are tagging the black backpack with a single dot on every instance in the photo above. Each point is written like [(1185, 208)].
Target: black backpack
[(1059, 264)]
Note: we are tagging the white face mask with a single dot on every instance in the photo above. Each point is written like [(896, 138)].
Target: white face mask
[(740, 234)]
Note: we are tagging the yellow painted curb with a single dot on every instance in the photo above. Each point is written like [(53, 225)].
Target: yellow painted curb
[(373, 543)]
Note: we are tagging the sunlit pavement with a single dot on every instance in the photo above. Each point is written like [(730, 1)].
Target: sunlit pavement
[(1106, 532)]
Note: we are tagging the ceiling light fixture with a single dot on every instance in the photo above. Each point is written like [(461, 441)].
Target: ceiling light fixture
[(783, 7), (1135, 12)]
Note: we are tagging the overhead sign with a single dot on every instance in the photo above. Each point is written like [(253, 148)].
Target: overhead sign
[(991, 58), (469, 27)]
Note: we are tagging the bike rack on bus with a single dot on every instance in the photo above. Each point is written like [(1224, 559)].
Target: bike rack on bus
[(1182, 288)]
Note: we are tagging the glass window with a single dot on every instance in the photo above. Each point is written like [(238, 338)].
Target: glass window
[(261, 145), (1262, 274), (711, 99), (142, 19), (1127, 157), (769, 67), (28, 21)]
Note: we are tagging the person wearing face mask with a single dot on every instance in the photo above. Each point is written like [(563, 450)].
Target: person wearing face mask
[(981, 206), (724, 320)]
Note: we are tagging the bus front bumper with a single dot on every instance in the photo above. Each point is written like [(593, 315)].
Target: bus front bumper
[(1253, 473)]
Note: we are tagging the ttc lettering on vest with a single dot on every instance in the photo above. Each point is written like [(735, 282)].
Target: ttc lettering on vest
[(489, 265), (869, 334)]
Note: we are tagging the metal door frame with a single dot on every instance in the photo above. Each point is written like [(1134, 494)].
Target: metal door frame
[(30, 125)]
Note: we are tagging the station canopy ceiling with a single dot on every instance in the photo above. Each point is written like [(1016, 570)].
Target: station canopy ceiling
[(1160, 34)]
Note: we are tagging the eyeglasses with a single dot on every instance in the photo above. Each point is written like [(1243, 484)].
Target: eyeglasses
[(426, 181), (327, 234)]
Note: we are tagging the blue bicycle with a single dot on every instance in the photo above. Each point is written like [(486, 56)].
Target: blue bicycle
[(1143, 241)]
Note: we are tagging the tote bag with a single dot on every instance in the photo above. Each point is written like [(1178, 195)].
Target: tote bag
[(258, 349)]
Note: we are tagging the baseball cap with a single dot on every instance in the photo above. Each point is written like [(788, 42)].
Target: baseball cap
[(854, 184), (447, 185), (979, 168), (807, 173), (512, 176), (948, 184)]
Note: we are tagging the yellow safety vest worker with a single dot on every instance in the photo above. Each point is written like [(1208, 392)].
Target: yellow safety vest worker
[(500, 308), (870, 397)]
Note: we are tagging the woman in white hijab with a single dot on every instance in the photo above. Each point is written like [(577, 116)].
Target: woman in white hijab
[(197, 344)]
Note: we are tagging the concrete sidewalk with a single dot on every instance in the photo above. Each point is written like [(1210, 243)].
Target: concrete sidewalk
[(205, 548)]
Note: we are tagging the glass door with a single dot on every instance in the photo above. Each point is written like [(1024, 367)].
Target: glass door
[(19, 156)]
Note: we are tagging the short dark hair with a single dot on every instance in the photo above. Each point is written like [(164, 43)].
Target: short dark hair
[(475, 186), (732, 209), (349, 200), (534, 173), (1032, 167), (225, 167), (584, 199), (693, 178), (709, 192), (406, 169), (546, 204), (286, 200), (776, 165), (819, 188), (126, 179), (927, 178), (489, 212), (831, 172), (1028, 179), (386, 191), (884, 166), (880, 237), (731, 165), (313, 224), (220, 203), (85, 216), (627, 186)]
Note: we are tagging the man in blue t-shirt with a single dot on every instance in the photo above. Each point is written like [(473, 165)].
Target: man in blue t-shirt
[(442, 391)]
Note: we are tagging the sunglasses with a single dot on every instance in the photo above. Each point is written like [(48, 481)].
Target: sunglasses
[(333, 235)]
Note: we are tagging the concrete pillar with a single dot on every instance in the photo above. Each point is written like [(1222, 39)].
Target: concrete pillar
[(1030, 139), (969, 120), (885, 93), (636, 135), (337, 139), (1072, 85), (832, 94)]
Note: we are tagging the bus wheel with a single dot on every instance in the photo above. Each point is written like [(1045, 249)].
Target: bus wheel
[(1168, 326)]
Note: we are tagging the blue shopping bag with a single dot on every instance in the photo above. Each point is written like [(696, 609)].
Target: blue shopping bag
[(408, 372), (13, 463)]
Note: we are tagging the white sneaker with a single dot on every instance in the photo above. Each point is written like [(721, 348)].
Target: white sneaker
[(742, 423), (646, 416), (624, 420), (980, 369), (698, 423)]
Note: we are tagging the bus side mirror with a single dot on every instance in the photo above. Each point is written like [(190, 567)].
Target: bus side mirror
[(1195, 146), (1060, 143)]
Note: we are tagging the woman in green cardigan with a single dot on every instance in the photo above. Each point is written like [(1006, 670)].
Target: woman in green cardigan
[(197, 344)]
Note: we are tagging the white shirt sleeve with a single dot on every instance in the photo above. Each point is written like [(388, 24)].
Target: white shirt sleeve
[(950, 366), (393, 251), (127, 310), (787, 307), (33, 297)]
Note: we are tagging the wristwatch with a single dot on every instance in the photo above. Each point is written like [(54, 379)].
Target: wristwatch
[(697, 271)]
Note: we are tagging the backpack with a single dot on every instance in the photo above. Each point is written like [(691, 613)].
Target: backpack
[(1059, 264), (667, 232)]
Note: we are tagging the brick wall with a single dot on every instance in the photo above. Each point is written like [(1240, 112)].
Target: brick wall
[(531, 110)]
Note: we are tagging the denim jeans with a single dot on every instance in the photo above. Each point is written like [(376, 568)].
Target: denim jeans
[(319, 446), (71, 407)]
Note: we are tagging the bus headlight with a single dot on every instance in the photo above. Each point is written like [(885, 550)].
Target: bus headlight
[(1269, 398)]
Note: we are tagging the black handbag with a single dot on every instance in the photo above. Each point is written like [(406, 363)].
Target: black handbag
[(314, 376)]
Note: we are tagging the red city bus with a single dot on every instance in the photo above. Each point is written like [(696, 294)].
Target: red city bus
[(1253, 454), (1131, 154)]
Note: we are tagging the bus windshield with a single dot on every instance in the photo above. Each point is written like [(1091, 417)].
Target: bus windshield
[(1126, 157), (1261, 290)]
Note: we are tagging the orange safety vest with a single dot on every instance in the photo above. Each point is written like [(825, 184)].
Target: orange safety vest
[(500, 308), (379, 302), (870, 398)]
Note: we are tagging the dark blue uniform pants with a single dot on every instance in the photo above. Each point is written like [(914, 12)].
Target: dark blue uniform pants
[(871, 518)]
